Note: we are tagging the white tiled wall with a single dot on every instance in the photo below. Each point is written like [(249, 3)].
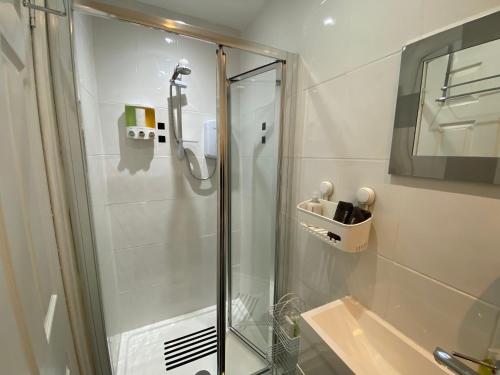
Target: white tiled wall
[(155, 225), (433, 264)]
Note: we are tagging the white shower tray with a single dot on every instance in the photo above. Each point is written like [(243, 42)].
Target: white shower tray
[(351, 238)]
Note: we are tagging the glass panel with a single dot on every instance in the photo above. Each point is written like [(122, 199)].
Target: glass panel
[(254, 106), (155, 224)]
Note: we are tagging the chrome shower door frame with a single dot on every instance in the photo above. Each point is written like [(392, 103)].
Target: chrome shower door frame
[(223, 209), (73, 150), (279, 66)]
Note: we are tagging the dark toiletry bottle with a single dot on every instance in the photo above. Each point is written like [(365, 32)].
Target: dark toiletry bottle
[(343, 212), (366, 214), (357, 216)]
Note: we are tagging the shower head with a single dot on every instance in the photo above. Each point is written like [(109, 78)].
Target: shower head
[(180, 70)]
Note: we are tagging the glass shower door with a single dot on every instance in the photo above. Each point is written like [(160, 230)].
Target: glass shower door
[(254, 104)]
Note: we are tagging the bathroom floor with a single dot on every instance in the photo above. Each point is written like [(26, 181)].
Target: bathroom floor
[(141, 350)]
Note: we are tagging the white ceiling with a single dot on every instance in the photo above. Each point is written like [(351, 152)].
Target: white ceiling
[(236, 14)]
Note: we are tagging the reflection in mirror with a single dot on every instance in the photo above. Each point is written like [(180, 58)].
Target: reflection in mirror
[(459, 112)]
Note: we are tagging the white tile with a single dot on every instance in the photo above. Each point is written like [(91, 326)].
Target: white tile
[(438, 14), (152, 222), (112, 118), (91, 123), (370, 281), (166, 264), (298, 123), (156, 64), (256, 244), (382, 28), (435, 315), (116, 56), (352, 116), (163, 178), (325, 49), (258, 176), (256, 105), (319, 272), (156, 303), (274, 25), (452, 238), (134, 65), (84, 51), (347, 177), (102, 228), (96, 180), (339, 36), (111, 304)]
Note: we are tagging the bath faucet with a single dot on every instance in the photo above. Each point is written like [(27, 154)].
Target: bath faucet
[(444, 358)]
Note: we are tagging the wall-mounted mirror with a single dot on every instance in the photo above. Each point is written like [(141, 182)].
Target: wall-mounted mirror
[(447, 122)]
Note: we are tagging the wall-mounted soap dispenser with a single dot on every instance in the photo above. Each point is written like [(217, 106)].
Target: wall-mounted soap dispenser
[(140, 122)]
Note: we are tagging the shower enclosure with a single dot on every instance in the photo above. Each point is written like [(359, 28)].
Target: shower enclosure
[(182, 253)]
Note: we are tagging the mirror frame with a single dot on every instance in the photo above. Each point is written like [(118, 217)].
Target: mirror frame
[(402, 160)]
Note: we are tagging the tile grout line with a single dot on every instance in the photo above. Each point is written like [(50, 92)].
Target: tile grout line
[(163, 108), (355, 69), (441, 283), (177, 199), (346, 158), (119, 249)]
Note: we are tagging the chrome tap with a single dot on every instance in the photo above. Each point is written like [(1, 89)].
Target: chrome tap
[(444, 358)]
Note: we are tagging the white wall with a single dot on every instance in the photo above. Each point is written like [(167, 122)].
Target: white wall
[(155, 225), (432, 266)]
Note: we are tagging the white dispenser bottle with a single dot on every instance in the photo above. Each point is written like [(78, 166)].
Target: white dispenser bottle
[(314, 205)]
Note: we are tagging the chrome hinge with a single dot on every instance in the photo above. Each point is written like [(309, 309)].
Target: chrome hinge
[(32, 18)]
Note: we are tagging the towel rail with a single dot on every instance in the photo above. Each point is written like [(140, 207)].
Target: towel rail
[(446, 89)]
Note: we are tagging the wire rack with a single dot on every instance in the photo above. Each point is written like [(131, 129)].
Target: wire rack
[(283, 316), (282, 361)]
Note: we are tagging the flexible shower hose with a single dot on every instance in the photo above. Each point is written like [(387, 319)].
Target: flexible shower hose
[(191, 172)]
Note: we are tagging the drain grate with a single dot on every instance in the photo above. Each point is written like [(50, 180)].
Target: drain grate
[(189, 348)]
